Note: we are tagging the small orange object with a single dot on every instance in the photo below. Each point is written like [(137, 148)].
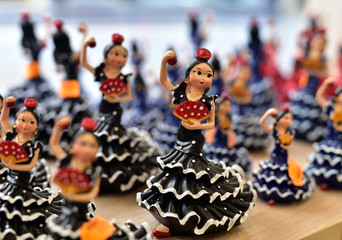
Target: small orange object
[(70, 89), (303, 80), (114, 87), (97, 228), (191, 110), (295, 172), (33, 70)]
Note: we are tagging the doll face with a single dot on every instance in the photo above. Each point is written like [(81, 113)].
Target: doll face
[(245, 74), (85, 147), (286, 120), (318, 42), (201, 76), (225, 107), (117, 56), (26, 123)]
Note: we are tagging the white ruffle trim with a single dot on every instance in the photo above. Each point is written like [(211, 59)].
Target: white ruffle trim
[(183, 221), (28, 202)]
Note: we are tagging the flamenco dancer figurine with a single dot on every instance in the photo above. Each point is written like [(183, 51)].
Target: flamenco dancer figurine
[(40, 172), (71, 102), (325, 164), (193, 195), (280, 179), (246, 112), (222, 138), (24, 210), (79, 178), (309, 120), (35, 86), (127, 156)]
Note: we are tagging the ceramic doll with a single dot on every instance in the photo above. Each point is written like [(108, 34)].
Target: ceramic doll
[(127, 156), (79, 178), (325, 164), (222, 139), (309, 120), (35, 85), (281, 179), (70, 101), (40, 173), (260, 85), (24, 210), (193, 195), (245, 112)]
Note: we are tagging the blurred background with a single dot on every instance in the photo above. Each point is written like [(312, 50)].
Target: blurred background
[(159, 25)]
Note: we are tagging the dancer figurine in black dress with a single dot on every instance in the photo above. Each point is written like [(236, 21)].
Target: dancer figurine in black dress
[(24, 210), (127, 156), (193, 195)]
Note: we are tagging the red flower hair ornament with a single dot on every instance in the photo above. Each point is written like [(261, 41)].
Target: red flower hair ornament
[(30, 103), (117, 38), (89, 124), (203, 54)]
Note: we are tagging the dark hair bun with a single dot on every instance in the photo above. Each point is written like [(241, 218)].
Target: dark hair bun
[(88, 124), (286, 108), (203, 54), (30, 103), (117, 38)]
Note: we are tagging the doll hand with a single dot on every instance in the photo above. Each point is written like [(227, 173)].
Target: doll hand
[(10, 101), (272, 112), (329, 81), (90, 41), (191, 125), (63, 123), (111, 98), (169, 55), (82, 27)]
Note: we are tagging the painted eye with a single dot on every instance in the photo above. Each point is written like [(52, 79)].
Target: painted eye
[(32, 122), (199, 72), (116, 54), (209, 75), (125, 56)]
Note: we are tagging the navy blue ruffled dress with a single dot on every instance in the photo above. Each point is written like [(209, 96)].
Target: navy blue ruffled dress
[(193, 195), (272, 180), (309, 121), (219, 151), (326, 163)]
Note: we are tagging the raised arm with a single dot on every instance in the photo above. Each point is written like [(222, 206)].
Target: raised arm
[(55, 138), (163, 71), (320, 92), (84, 197), (270, 112), (5, 124), (89, 41)]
